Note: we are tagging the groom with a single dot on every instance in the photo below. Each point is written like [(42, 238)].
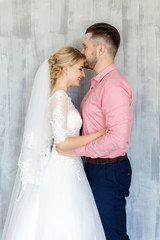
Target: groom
[(108, 104)]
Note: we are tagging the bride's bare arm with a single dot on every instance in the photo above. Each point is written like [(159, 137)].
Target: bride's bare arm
[(75, 142)]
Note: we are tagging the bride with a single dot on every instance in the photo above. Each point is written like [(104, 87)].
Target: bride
[(54, 201)]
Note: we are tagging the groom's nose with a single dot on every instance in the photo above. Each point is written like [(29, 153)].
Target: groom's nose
[(82, 51)]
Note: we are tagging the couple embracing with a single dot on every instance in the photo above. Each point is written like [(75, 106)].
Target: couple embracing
[(58, 200)]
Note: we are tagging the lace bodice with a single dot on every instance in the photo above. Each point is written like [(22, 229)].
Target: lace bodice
[(65, 119)]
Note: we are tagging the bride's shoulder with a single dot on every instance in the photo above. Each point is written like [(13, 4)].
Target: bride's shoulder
[(58, 93)]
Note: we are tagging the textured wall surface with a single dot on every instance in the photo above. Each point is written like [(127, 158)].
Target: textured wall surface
[(30, 31)]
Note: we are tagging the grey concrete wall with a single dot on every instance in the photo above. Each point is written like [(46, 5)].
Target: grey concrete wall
[(30, 31)]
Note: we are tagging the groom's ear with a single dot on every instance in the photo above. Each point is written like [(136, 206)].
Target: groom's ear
[(101, 49)]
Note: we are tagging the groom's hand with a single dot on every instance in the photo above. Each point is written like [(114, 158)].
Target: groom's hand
[(69, 153)]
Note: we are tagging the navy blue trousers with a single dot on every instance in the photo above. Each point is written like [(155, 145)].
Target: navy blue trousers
[(110, 185)]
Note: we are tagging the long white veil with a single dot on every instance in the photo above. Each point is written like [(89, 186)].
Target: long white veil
[(35, 150)]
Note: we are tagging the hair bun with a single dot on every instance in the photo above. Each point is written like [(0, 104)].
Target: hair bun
[(52, 60)]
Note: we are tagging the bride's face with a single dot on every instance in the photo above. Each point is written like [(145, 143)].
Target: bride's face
[(75, 73)]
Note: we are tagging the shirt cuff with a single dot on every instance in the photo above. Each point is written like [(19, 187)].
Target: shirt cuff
[(80, 151)]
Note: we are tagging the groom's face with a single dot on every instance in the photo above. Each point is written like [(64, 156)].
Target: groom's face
[(89, 50)]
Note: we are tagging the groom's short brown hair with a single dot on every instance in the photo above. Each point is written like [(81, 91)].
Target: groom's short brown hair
[(108, 33)]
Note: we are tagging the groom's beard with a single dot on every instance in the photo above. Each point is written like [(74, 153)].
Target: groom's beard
[(91, 62)]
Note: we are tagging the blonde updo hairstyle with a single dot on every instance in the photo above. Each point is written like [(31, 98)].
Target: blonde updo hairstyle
[(65, 56)]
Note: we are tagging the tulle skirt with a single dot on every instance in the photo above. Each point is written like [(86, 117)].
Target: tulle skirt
[(61, 208)]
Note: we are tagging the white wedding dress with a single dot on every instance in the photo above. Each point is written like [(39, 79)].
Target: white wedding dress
[(62, 206)]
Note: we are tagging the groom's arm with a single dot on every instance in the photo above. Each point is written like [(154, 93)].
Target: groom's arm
[(117, 110)]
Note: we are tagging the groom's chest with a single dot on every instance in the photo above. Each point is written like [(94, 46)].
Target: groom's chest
[(92, 102)]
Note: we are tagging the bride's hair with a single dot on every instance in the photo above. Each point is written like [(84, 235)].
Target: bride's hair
[(65, 56)]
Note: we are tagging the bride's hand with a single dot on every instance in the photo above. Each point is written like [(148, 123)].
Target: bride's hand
[(102, 132)]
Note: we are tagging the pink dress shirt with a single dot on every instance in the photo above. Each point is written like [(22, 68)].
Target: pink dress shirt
[(108, 104)]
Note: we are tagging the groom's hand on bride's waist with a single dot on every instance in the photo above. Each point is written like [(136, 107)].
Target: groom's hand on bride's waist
[(69, 153)]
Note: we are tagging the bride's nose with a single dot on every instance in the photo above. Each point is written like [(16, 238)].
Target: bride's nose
[(83, 74)]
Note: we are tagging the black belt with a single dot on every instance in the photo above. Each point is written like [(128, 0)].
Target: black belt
[(105, 160)]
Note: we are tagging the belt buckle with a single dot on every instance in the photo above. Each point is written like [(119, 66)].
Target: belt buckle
[(97, 161), (85, 159)]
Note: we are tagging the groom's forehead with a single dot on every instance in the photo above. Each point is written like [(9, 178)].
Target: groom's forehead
[(86, 39)]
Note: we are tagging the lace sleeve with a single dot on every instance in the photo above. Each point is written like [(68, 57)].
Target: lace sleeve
[(59, 110)]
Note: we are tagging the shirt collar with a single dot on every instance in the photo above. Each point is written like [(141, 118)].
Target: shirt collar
[(102, 74)]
